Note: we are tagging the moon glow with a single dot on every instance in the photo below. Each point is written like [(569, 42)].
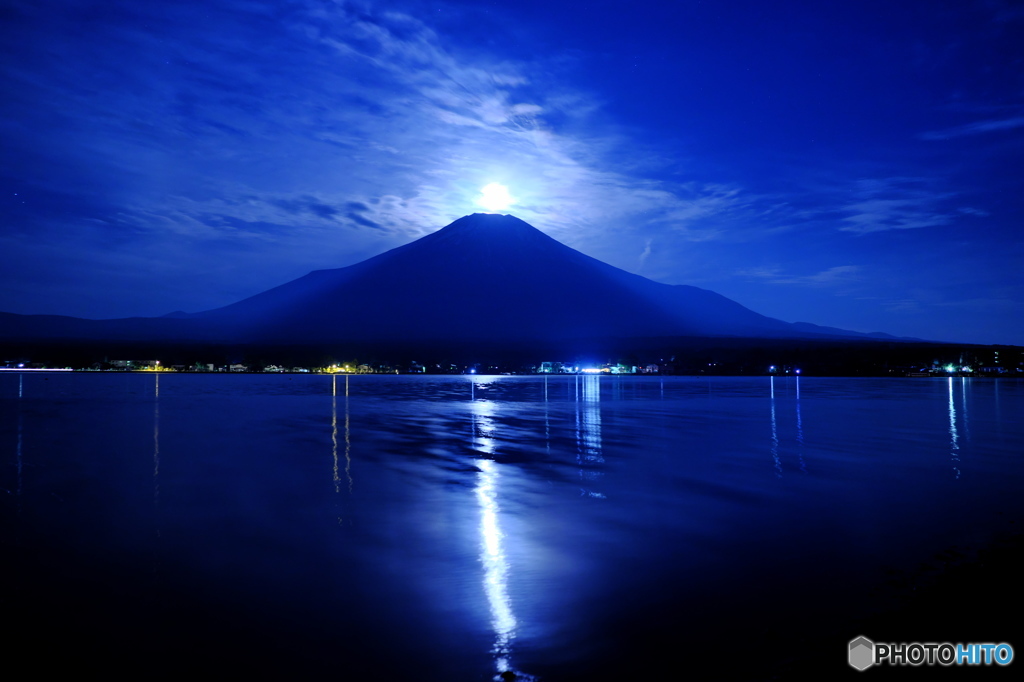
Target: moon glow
[(495, 197)]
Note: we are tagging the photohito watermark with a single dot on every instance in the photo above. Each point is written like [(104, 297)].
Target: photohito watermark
[(864, 653)]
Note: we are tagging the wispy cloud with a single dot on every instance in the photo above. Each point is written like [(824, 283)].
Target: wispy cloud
[(836, 275), (879, 215), (975, 128), (646, 253), (477, 122), (882, 204)]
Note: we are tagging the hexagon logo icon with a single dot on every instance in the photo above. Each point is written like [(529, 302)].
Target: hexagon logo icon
[(862, 653)]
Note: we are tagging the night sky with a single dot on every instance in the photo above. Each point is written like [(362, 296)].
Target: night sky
[(857, 164)]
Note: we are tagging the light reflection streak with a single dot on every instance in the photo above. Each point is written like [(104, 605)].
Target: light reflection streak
[(492, 550), (963, 405), (492, 556), (547, 421), (348, 442), (334, 431), (336, 474), (588, 430), (156, 443), (799, 429), (21, 418), (156, 477), (998, 410), (481, 413), (954, 439), (775, 433)]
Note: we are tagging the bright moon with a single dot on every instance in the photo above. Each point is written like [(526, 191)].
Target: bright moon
[(495, 197)]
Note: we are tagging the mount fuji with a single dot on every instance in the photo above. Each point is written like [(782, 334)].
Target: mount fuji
[(484, 277)]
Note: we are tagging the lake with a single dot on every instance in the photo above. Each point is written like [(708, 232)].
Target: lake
[(462, 527)]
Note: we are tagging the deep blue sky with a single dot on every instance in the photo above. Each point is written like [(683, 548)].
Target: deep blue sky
[(855, 164)]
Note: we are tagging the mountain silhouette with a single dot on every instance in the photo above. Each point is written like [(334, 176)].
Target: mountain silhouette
[(484, 277), (488, 277)]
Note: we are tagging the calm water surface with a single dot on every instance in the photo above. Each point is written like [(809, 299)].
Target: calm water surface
[(455, 528)]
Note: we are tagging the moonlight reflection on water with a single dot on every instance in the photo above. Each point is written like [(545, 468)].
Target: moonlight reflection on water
[(559, 525)]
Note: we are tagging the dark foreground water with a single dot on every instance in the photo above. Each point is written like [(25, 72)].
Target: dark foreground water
[(453, 528)]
